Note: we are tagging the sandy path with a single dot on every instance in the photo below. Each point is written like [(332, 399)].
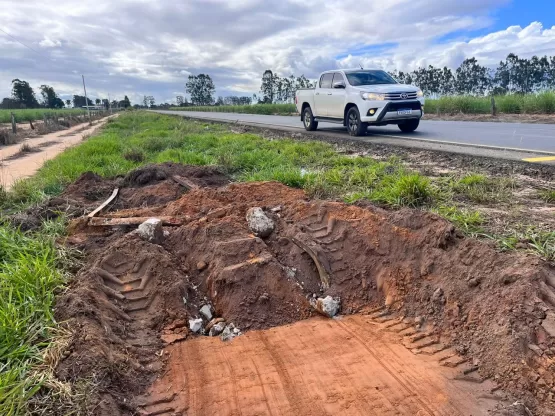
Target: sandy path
[(350, 366), (14, 167)]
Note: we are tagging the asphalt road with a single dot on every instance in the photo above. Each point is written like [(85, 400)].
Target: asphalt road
[(532, 142)]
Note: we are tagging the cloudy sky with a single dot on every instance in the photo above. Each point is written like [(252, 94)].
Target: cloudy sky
[(139, 47)]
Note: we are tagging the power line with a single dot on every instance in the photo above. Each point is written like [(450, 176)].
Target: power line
[(18, 41)]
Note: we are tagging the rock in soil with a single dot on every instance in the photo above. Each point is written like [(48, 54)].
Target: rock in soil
[(259, 223), (328, 306), (206, 311), (217, 329), (151, 230), (195, 325)]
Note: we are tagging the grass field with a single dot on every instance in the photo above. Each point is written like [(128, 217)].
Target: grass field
[(35, 114), (33, 268), (266, 109), (543, 103)]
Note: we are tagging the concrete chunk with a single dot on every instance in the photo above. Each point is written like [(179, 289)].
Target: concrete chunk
[(206, 311), (328, 306), (151, 230), (195, 325), (259, 223)]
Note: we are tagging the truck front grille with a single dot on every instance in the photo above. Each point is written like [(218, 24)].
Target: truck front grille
[(397, 96)]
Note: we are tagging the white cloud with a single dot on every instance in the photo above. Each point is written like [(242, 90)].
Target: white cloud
[(49, 43), (138, 47)]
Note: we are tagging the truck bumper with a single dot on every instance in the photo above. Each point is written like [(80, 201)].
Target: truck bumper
[(391, 112)]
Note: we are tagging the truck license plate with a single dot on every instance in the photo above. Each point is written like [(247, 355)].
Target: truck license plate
[(404, 112)]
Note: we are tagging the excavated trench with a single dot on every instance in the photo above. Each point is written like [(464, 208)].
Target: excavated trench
[(431, 322)]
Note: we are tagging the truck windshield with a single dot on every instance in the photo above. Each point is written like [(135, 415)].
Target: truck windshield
[(376, 77)]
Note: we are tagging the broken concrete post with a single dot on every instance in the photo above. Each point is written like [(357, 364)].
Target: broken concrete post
[(328, 306), (206, 311), (259, 223), (151, 230), (195, 325)]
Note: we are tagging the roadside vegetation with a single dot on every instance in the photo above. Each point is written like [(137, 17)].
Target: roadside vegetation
[(543, 103), (36, 114), (33, 268), (266, 109)]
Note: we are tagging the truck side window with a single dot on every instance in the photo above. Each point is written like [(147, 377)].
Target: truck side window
[(325, 81), (337, 77)]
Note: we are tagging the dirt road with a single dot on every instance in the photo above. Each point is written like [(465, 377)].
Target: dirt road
[(16, 164), (351, 366)]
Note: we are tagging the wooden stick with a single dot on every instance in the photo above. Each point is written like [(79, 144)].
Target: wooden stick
[(104, 204), (185, 182)]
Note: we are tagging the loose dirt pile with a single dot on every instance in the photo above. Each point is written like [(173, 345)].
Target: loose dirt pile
[(134, 297)]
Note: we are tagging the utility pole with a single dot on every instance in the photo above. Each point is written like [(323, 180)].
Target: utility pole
[(86, 100)]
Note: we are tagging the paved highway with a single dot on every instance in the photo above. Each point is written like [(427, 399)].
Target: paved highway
[(532, 142)]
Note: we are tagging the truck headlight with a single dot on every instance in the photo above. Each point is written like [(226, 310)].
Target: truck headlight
[(419, 94), (372, 96)]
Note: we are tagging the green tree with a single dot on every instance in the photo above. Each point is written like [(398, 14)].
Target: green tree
[(24, 94), (98, 101), (68, 103), (472, 78), (79, 101), (126, 102), (267, 87), (201, 88)]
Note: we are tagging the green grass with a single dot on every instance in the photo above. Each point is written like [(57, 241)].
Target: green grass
[(532, 240), (267, 109), (543, 103), (482, 189), (31, 272), (36, 114), (547, 195)]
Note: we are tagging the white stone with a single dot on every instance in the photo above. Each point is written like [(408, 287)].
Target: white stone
[(217, 329), (259, 223), (195, 325), (151, 230), (328, 306), (230, 332), (206, 311)]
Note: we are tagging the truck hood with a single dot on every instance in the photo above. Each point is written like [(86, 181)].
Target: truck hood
[(387, 88)]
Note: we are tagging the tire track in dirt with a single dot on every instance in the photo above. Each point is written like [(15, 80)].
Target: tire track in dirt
[(314, 367)]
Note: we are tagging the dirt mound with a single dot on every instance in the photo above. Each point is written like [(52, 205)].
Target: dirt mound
[(133, 297), (146, 187)]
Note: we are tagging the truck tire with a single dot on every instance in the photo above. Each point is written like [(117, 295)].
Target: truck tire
[(409, 126), (353, 123), (308, 120)]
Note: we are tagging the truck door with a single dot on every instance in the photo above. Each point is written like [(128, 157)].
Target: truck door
[(322, 95), (336, 101)]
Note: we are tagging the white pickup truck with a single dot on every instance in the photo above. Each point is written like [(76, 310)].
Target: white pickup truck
[(359, 98)]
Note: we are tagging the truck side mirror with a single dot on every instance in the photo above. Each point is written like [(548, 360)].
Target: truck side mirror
[(339, 84)]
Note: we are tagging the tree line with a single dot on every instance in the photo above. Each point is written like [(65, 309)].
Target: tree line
[(513, 75), (23, 96)]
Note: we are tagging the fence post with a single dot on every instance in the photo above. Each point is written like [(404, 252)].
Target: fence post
[(45, 121), (493, 107), (14, 125)]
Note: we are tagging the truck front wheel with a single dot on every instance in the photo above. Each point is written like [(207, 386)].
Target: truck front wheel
[(308, 119), (354, 125), (409, 126)]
